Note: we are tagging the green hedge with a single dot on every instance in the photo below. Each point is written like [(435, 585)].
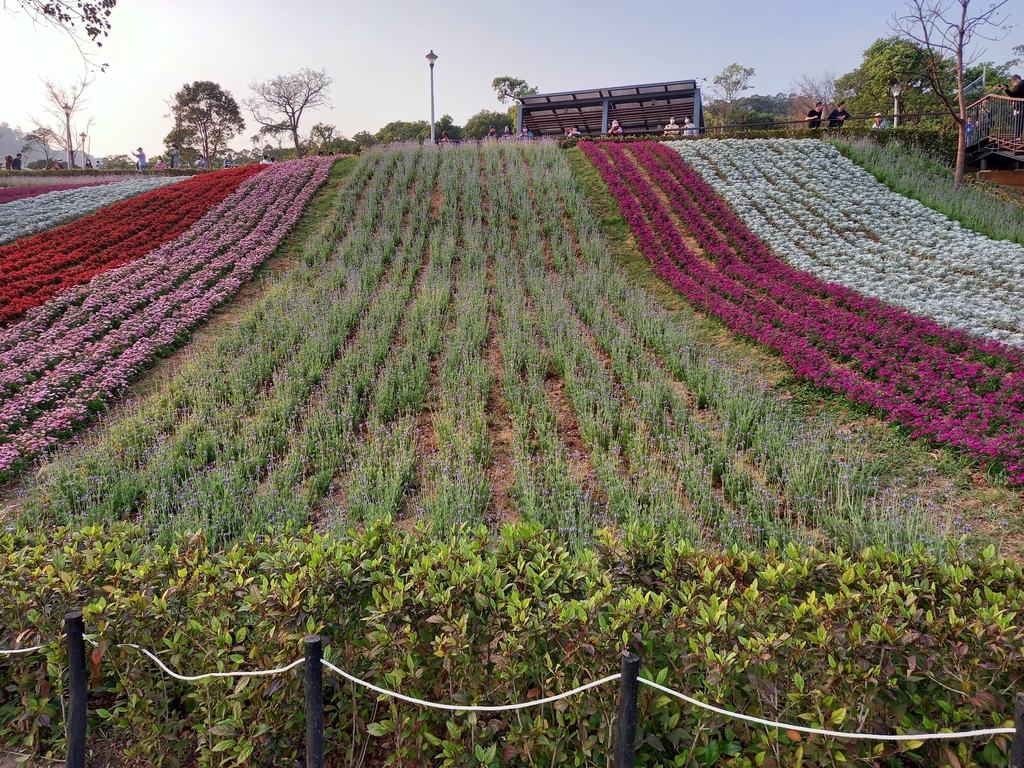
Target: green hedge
[(938, 141), (871, 641), (93, 174)]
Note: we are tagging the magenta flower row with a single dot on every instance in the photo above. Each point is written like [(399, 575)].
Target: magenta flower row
[(80, 349), (10, 194), (944, 385)]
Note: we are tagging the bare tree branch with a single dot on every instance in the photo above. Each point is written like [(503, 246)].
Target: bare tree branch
[(945, 30), (84, 21), (289, 96)]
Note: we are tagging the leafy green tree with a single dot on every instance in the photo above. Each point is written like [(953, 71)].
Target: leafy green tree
[(726, 88), (511, 88), (399, 130), (476, 127), (447, 125), (206, 118)]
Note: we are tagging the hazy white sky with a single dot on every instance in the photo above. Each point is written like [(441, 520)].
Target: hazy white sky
[(375, 52)]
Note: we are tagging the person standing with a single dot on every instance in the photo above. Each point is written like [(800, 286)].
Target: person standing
[(616, 129), (838, 116), (492, 132), (7, 162), (673, 128), (16, 162), (813, 118), (140, 160), (879, 122), (1015, 90), (174, 156), (229, 161), (689, 128)]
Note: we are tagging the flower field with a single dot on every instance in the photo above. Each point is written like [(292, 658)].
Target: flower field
[(77, 351), (451, 433), (22, 218), (10, 194), (826, 216), (945, 385), (463, 361), (40, 267)]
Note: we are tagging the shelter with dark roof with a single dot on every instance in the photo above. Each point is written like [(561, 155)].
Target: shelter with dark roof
[(638, 108)]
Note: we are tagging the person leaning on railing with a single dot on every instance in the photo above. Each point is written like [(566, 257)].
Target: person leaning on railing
[(1015, 90)]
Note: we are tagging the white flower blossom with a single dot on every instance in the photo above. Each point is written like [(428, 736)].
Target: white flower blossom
[(822, 213)]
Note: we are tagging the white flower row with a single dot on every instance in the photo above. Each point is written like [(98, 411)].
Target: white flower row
[(822, 213), (22, 218)]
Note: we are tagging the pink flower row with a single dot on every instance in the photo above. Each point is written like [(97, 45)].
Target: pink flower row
[(945, 385), (79, 350)]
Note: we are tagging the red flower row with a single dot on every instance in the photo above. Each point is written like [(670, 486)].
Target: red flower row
[(37, 268), (944, 385)]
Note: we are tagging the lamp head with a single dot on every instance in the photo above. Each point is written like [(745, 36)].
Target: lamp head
[(67, 109), (431, 57), (896, 89)]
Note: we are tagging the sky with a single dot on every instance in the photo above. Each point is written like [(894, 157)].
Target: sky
[(375, 53)]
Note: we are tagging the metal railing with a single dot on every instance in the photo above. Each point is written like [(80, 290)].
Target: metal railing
[(996, 120)]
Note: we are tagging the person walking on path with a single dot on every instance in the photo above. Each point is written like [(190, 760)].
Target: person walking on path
[(838, 116), (140, 160)]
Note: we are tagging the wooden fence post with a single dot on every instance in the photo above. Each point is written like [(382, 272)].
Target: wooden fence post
[(78, 687), (627, 711), (314, 702)]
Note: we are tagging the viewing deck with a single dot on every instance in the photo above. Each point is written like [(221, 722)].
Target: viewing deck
[(994, 127)]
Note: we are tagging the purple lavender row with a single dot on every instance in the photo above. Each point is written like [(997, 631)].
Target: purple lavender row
[(92, 346)]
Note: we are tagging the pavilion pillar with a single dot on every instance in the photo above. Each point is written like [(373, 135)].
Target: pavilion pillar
[(519, 119), (604, 117)]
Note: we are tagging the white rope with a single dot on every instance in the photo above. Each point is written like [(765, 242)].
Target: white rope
[(460, 708), (825, 732), (12, 651), (195, 678)]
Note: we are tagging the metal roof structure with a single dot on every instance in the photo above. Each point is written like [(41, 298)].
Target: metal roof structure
[(638, 108)]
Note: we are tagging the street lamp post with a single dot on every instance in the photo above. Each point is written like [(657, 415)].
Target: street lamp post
[(432, 57), (82, 137), (71, 149), (895, 89)]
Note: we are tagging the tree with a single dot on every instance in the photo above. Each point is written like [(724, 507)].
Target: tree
[(812, 89), (62, 105), (726, 88), (40, 141), (282, 100), (399, 130), (476, 127), (447, 125), (83, 20), (945, 29), (206, 118), (511, 89)]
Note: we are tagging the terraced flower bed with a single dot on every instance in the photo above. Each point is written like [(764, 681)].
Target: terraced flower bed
[(40, 267), (942, 384), (77, 351)]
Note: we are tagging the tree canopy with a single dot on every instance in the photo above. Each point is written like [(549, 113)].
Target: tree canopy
[(400, 130), (206, 118), (511, 88), (476, 127)]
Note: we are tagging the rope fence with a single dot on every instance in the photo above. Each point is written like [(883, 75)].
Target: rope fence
[(314, 664)]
